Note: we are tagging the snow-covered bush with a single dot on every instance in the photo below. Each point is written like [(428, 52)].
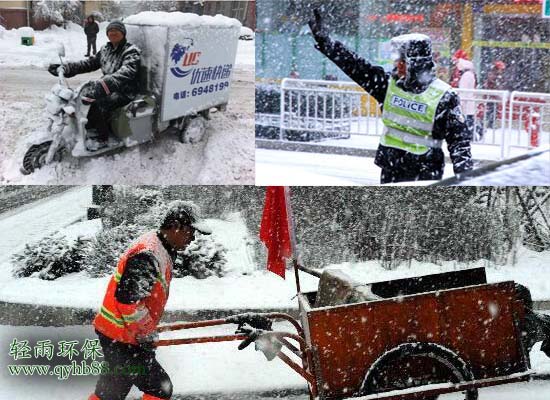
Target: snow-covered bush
[(98, 16), (201, 259), (107, 247), (51, 258)]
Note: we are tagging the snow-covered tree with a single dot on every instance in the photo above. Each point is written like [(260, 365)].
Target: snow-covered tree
[(111, 10), (58, 12)]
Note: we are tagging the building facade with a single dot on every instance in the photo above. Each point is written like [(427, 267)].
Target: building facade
[(15, 14)]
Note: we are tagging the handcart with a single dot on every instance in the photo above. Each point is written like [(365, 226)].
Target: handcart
[(400, 339)]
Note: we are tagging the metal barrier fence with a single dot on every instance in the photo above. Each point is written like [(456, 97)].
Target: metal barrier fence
[(529, 119), (322, 110), (329, 109), (485, 112)]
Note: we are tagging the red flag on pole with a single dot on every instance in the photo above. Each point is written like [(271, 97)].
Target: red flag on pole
[(274, 231)]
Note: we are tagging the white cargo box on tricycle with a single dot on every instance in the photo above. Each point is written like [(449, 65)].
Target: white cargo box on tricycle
[(187, 60)]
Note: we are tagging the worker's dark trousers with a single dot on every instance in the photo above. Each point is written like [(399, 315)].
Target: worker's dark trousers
[(131, 365)]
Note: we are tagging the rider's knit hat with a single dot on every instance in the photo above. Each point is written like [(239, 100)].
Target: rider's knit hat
[(118, 25)]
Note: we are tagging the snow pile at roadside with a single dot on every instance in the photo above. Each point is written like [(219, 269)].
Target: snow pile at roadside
[(44, 50), (533, 171), (177, 18)]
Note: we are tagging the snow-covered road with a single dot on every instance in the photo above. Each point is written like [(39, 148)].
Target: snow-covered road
[(204, 369), (279, 167)]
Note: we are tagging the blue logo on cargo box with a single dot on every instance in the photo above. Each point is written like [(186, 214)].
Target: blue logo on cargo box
[(182, 56)]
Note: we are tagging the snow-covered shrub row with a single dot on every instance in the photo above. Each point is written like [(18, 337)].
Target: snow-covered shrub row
[(397, 225), (129, 205), (107, 246), (390, 224), (394, 225)]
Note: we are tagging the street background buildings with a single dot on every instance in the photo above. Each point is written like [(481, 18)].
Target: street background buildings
[(512, 31), (14, 14)]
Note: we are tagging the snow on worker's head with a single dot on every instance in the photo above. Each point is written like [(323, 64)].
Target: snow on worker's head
[(184, 213)]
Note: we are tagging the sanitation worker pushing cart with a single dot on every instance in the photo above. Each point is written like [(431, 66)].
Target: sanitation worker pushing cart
[(134, 303), (419, 110)]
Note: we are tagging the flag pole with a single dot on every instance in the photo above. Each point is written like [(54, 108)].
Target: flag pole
[(292, 233)]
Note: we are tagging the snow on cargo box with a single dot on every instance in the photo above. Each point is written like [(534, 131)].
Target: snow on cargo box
[(187, 60)]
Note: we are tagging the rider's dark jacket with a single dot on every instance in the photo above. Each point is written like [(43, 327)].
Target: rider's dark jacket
[(120, 67)]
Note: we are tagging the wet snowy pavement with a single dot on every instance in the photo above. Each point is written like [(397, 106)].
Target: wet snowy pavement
[(279, 167), (210, 371)]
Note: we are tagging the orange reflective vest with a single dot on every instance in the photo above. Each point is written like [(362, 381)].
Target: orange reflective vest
[(124, 322)]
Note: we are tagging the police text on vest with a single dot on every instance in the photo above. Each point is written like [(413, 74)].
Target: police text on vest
[(408, 105)]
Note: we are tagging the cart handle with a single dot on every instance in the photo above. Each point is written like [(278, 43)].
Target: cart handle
[(195, 340), (229, 320)]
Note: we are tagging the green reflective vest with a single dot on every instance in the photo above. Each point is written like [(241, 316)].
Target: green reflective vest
[(409, 118)]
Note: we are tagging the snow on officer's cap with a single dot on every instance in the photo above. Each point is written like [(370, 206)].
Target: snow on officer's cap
[(118, 25), (412, 46), (186, 213)]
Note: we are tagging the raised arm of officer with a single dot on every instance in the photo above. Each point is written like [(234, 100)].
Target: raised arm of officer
[(450, 125), (370, 77)]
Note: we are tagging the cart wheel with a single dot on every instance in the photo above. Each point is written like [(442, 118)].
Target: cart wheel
[(194, 130), (416, 364)]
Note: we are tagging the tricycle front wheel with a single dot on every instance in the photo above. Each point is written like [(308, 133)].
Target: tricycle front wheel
[(417, 364), (35, 157)]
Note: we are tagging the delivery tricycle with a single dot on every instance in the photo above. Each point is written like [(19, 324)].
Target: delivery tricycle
[(186, 66)]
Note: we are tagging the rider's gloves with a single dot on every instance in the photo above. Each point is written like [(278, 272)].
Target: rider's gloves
[(52, 69)]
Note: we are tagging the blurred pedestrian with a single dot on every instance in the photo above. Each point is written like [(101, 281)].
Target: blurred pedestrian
[(465, 72), (91, 29), (495, 81), (455, 73)]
